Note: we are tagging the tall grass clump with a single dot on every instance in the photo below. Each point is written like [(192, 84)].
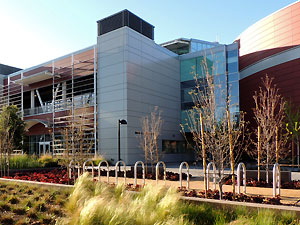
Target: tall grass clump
[(98, 203), (24, 162), (266, 217)]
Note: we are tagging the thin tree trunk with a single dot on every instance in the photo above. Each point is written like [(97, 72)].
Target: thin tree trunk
[(231, 154), (267, 166), (293, 151), (298, 151), (276, 145), (156, 150), (203, 155), (258, 153)]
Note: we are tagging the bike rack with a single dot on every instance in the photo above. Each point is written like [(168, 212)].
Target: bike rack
[(208, 168), (157, 171), (73, 166), (135, 172), (239, 177), (276, 179), (188, 174), (99, 166), (116, 171), (83, 166)]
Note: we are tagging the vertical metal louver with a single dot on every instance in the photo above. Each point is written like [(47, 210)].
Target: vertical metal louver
[(125, 18)]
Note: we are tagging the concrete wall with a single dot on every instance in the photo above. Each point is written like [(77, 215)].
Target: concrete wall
[(134, 76)]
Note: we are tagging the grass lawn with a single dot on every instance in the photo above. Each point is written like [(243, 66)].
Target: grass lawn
[(31, 204)]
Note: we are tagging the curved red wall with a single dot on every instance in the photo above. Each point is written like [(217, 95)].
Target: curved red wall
[(273, 34)]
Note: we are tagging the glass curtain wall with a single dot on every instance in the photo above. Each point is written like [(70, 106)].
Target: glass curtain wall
[(223, 65)]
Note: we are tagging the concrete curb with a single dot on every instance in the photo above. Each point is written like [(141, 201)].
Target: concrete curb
[(214, 202), (37, 183), (225, 203)]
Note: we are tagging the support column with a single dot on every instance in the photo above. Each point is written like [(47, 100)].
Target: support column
[(32, 99), (64, 94), (95, 102), (22, 97), (8, 89)]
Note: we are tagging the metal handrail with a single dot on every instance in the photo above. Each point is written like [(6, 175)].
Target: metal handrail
[(99, 166), (83, 166), (157, 171), (135, 172), (276, 179), (239, 177), (116, 171), (211, 164), (188, 174)]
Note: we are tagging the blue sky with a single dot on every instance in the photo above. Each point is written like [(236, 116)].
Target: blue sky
[(35, 31)]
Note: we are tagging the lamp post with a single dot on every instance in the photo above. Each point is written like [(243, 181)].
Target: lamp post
[(123, 122)]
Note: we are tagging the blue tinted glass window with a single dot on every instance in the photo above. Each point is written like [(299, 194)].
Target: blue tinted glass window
[(234, 89), (186, 96), (233, 77), (187, 69), (234, 101), (232, 53), (220, 79), (232, 67)]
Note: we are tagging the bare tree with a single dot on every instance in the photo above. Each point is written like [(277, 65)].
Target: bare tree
[(216, 133), (269, 114), (74, 138), (151, 129)]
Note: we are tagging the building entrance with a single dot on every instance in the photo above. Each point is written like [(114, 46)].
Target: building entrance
[(44, 148)]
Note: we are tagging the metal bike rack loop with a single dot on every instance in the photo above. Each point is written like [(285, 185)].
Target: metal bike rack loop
[(135, 172), (84, 165), (208, 168), (73, 166), (157, 171), (276, 179), (116, 171), (99, 167), (188, 174), (239, 177)]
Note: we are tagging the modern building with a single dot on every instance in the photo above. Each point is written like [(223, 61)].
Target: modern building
[(271, 46), (122, 77)]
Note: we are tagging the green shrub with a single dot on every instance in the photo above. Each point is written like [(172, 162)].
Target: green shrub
[(24, 162), (48, 161)]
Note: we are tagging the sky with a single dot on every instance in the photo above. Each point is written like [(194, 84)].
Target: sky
[(36, 31)]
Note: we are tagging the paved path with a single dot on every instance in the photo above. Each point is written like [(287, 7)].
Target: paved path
[(289, 196)]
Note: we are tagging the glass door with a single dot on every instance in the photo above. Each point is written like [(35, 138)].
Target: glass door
[(44, 148)]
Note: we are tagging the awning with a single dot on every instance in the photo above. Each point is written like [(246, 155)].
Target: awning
[(32, 122), (34, 78)]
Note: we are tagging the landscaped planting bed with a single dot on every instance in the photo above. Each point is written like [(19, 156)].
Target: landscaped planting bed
[(57, 176), (31, 204), (93, 202), (229, 196), (252, 182), (60, 176)]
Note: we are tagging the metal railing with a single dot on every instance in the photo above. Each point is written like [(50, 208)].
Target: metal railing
[(239, 177), (208, 168), (99, 171), (276, 179), (116, 171), (188, 174), (157, 171), (62, 104), (135, 172)]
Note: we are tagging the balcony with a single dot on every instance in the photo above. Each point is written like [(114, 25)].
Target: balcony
[(80, 101)]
